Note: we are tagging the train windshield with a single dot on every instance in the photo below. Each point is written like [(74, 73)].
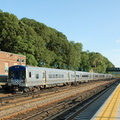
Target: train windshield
[(17, 74)]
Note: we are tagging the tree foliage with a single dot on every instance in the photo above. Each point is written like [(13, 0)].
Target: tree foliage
[(45, 46)]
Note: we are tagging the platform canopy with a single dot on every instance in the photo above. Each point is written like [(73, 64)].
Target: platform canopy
[(115, 71)]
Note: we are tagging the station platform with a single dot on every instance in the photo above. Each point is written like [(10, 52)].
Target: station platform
[(110, 110)]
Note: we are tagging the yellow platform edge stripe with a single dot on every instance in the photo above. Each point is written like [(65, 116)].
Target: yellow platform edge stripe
[(109, 109)]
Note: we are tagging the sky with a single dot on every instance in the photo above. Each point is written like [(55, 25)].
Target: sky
[(94, 23)]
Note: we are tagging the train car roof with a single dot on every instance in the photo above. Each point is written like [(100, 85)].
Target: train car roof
[(32, 67), (43, 68), (17, 66)]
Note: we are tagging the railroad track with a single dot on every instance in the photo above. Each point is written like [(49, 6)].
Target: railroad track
[(75, 110), (57, 107), (12, 98)]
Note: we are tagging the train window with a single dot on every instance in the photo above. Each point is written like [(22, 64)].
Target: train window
[(62, 76), (37, 76), (17, 74), (56, 75), (77, 75), (50, 76), (84, 75), (23, 74), (30, 74)]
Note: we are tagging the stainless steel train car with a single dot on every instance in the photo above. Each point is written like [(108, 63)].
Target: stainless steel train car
[(26, 78)]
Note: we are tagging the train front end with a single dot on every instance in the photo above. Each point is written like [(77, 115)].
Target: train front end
[(16, 78)]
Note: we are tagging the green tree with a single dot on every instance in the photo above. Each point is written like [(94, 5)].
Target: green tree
[(74, 55), (85, 63), (8, 31), (45, 46), (15, 36), (98, 62)]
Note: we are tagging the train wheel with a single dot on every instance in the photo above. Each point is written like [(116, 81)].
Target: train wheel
[(26, 90)]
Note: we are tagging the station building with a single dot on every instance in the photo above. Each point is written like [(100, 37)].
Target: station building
[(9, 59)]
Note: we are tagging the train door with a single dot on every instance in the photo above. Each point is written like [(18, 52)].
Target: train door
[(75, 77), (44, 77), (80, 77), (68, 77)]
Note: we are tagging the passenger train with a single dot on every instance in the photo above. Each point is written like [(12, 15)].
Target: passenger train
[(27, 78)]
